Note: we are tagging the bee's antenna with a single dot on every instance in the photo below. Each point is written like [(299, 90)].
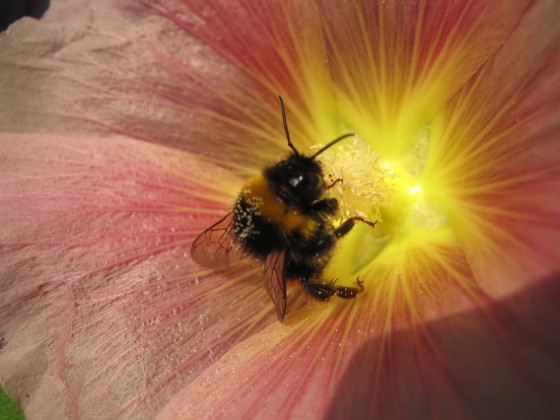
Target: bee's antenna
[(332, 143), (285, 121)]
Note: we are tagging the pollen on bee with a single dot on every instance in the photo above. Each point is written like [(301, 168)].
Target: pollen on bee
[(246, 229), (359, 181)]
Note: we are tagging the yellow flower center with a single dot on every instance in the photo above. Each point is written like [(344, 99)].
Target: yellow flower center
[(391, 192)]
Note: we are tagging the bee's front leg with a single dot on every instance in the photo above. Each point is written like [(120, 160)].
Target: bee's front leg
[(327, 206), (348, 224)]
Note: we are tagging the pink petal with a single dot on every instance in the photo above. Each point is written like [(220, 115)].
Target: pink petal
[(500, 156), (499, 360), (134, 73), (400, 61), (207, 75), (279, 47), (76, 12), (499, 351), (102, 310)]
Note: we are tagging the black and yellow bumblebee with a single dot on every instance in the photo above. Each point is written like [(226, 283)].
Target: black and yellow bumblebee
[(281, 217)]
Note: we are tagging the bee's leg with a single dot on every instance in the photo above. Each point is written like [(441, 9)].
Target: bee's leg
[(320, 291), (328, 206), (333, 183), (323, 291), (348, 224), (350, 292)]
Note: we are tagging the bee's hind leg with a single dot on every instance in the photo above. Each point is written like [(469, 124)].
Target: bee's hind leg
[(350, 292), (323, 291)]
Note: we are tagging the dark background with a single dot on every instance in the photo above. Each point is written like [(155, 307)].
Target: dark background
[(12, 10)]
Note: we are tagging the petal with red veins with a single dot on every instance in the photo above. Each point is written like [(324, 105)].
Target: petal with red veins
[(498, 361), (396, 64), (495, 158), (103, 312), (493, 360), (147, 80), (280, 46)]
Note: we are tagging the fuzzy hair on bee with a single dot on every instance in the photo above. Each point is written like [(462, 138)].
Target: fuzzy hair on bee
[(281, 217)]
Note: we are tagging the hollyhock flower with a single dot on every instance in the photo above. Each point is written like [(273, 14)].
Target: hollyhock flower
[(129, 129)]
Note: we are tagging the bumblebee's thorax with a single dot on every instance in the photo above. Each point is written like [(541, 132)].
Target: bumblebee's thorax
[(259, 198)]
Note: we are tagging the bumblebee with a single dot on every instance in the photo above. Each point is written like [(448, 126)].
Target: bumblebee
[(281, 217)]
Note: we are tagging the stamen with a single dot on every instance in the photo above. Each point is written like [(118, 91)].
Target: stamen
[(391, 193), (360, 183)]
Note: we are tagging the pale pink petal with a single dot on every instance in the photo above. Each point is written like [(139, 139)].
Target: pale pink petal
[(74, 12), (500, 360), (102, 311), (499, 157), (132, 72)]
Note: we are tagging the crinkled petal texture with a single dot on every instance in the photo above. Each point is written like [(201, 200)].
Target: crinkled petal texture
[(104, 314)]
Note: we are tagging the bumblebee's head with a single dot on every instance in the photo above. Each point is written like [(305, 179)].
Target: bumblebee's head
[(297, 180)]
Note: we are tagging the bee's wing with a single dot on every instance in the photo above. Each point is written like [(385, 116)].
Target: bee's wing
[(275, 281), (217, 246)]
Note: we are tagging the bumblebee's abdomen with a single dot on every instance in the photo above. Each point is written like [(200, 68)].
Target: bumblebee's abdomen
[(255, 233)]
